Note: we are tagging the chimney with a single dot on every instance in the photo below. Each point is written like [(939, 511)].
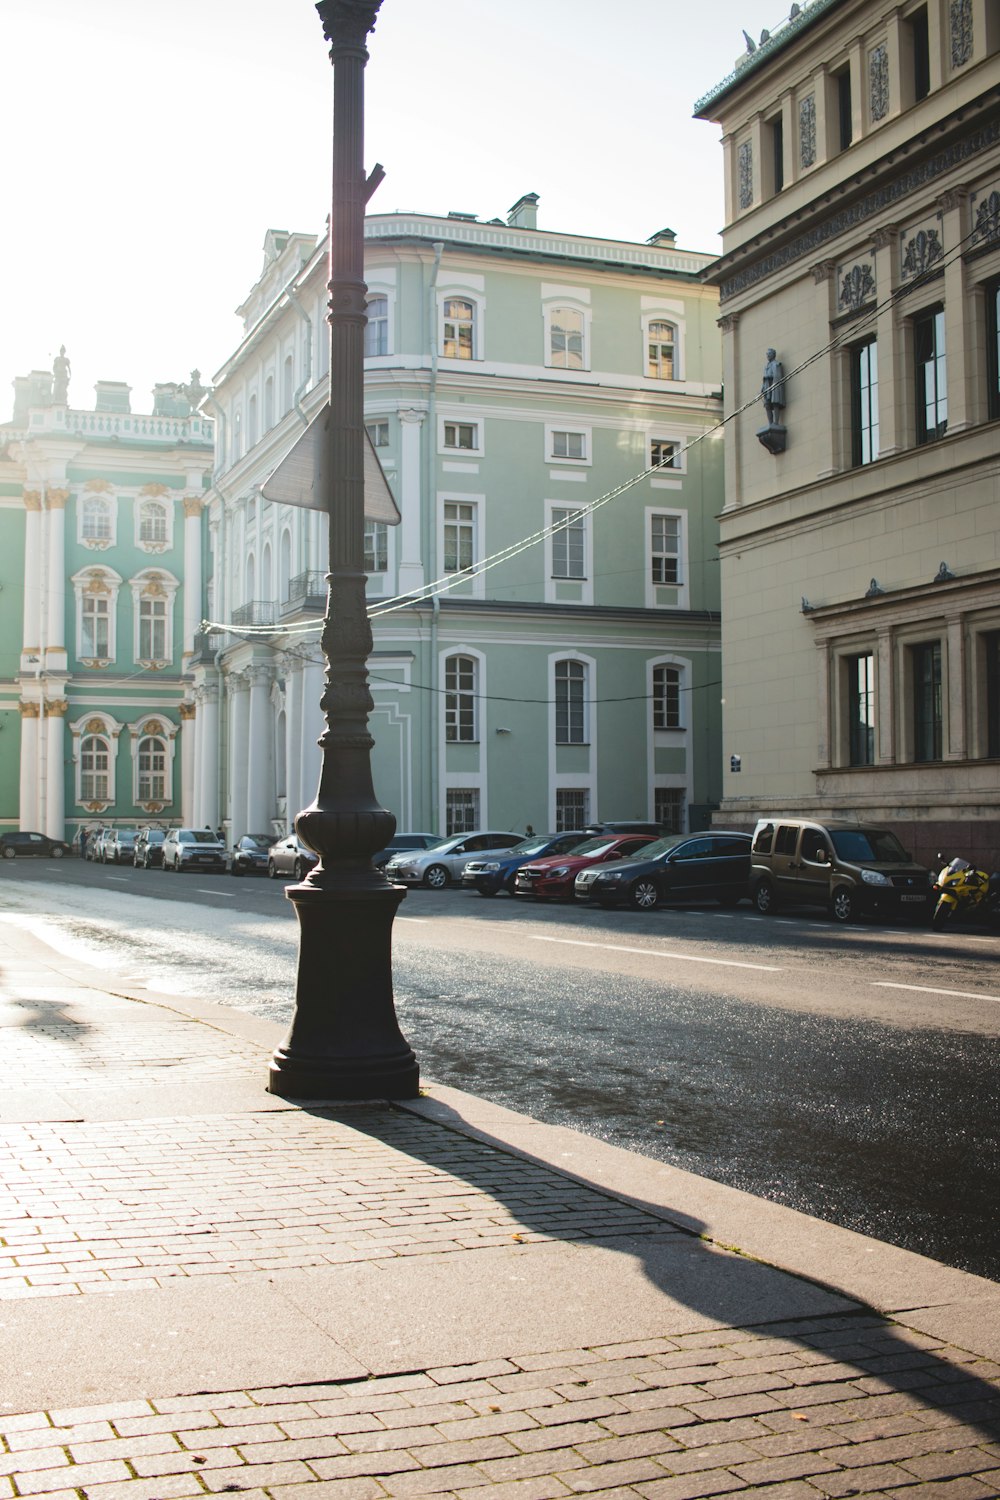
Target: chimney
[(663, 237), (524, 214), (112, 395)]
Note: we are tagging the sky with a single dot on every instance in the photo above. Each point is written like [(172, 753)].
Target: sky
[(148, 148)]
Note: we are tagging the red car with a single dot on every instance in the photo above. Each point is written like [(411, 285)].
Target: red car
[(553, 878)]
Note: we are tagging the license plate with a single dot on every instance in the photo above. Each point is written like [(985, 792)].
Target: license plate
[(913, 898)]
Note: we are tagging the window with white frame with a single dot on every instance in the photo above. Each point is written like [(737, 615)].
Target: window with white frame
[(661, 346), (665, 549), (664, 454), (97, 519), (571, 702), (572, 808), (237, 441), (462, 435), (459, 331), (376, 547), (459, 536), (572, 445), (151, 759), (461, 806), (152, 629), (377, 327), (288, 382), (154, 523), (252, 421), (269, 403), (666, 697), (566, 328), (668, 807), (379, 434), (95, 626), (460, 699), (153, 596), (95, 769), (96, 592), (569, 543)]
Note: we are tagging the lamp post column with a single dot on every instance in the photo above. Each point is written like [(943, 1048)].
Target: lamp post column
[(344, 1041)]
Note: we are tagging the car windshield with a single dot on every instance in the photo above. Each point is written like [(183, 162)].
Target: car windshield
[(594, 846), (197, 836), (657, 847), (446, 844), (126, 834), (155, 836), (529, 846), (256, 841), (871, 845)]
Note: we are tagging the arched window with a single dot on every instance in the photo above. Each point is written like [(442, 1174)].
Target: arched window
[(152, 521), (377, 327), (153, 595), (152, 628), (152, 762), (95, 523), (285, 566), (571, 702), (566, 338), (458, 341), (288, 383), (662, 340), (95, 626), (460, 698), (237, 435), (249, 593), (266, 581), (251, 421), (666, 698), (269, 403), (95, 769)]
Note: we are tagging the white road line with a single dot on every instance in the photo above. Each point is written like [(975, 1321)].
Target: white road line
[(119, 878), (204, 890), (725, 963), (925, 989), (420, 921)]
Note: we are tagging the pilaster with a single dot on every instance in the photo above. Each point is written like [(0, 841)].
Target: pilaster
[(410, 574)]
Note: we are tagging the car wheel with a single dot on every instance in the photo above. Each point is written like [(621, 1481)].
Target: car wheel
[(58, 853), (842, 906), (9, 853), (644, 895), (437, 877), (763, 898), (272, 873), (299, 871)]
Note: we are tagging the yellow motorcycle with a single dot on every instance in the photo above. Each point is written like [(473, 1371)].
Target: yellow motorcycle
[(964, 891)]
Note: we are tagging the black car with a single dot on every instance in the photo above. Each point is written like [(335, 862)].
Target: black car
[(681, 867), (15, 843), (249, 856), (149, 848)]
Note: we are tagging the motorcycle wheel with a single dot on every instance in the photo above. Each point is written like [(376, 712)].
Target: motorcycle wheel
[(944, 914)]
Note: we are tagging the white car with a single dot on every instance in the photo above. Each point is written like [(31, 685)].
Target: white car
[(440, 865), (193, 849)]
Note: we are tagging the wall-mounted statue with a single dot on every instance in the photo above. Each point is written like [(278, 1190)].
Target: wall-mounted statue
[(773, 437)]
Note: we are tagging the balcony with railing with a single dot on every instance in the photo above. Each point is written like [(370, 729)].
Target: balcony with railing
[(257, 612), (307, 591)]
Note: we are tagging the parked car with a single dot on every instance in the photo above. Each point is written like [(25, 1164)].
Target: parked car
[(402, 843), (681, 867), (90, 849), (290, 856), (850, 868), (493, 873), (99, 844), (249, 856), (193, 849), (18, 843), (148, 853), (656, 829), (552, 879), (445, 861), (120, 847)]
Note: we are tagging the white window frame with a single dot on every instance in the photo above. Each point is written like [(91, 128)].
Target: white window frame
[(154, 495), (588, 698), (577, 429), (455, 420), (572, 304), (378, 324), (474, 583), (103, 726), (374, 429), (84, 584), (381, 282), (682, 587), (105, 499), (154, 583), (556, 587), (459, 291), (461, 654), (377, 532), (655, 310), (476, 792), (673, 739), (157, 727), (670, 475)]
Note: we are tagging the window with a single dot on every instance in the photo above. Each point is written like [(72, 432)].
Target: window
[(377, 327), (925, 663), (668, 808), (571, 703), (569, 545), (861, 710), (569, 445), (288, 383), (95, 523), (251, 421), (864, 403), (152, 629), (95, 763), (459, 536), (459, 329), (776, 130), (665, 549), (376, 547), (461, 810), (572, 808), (993, 350), (663, 455), (566, 338), (666, 698), (95, 623), (931, 376), (237, 436), (269, 403), (461, 435), (152, 761), (660, 357), (845, 114), (920, 53), (378, 432), (460, 699), (992, 648), (152, 522)]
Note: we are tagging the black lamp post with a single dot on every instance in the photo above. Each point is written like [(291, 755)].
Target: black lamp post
[(344, 1041)]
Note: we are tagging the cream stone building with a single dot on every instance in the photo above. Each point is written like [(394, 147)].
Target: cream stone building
[(859, 540)]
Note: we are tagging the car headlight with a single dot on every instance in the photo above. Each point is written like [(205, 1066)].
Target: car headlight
[(610, 875), (491, 865), (559, 872), (875, 877)]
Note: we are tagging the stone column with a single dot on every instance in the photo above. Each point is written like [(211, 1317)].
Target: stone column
[(28, 805), (732, 448), (260, 739), (293, 737), (55, 771), (31, 630), (208, 747), (959, 338), (192, 575), (892, 385), (187, 713), (955, 738), (55, 643), (885, 692), (410, 573), (826, 436), (237, 685)]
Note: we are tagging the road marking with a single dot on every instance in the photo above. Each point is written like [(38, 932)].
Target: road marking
[(119, 878), (690, 958), (203, 890), (925, 989), (420, 921)]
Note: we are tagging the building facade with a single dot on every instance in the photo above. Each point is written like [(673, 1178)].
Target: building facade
[(546, 649), (101, 536), (859, 287)]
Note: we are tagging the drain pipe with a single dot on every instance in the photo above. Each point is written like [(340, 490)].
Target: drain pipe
[(430, 539)]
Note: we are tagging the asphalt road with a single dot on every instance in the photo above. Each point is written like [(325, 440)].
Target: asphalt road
[(850, 1073)]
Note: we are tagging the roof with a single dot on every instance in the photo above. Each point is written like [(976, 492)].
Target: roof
[(752, 62)]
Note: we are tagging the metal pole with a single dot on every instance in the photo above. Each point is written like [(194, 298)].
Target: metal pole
[(344, 1041)]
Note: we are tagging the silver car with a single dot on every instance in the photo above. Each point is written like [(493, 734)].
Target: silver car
[(444, 862)]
